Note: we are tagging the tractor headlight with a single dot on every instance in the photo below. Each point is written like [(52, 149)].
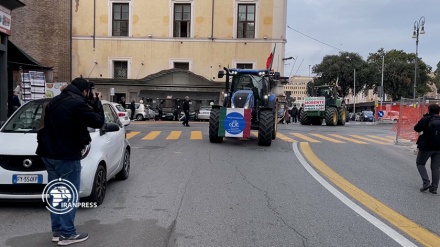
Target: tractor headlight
[(226, 95), (266, 97)]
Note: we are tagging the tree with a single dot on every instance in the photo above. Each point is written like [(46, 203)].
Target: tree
[(398, 73), (437, 77), (341, 67)]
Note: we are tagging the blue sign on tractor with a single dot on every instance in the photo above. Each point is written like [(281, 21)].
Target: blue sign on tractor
[(380, 113)]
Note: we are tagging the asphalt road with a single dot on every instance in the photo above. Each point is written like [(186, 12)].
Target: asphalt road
[(185, 191)]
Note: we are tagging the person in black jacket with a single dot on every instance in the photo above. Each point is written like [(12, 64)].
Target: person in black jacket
[(60, 142), (427, 150), (186, 111)]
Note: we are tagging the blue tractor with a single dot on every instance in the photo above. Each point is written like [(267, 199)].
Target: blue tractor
[(248, 105)]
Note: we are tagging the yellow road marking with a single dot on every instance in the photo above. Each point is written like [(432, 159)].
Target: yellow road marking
[(420, 234), (132, 133), (348, 139), (255, 133), (304, 137), (174, 135), (151, 136), (196, 135), (370, 140), (392, 137), (284, 138), (381, 138), (327, 138)]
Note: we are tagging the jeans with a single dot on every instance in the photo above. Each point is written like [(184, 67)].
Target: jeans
[(422, 158), (69, 170)]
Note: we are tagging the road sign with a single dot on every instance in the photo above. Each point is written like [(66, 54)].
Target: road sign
[(112, 91), (380, 113)]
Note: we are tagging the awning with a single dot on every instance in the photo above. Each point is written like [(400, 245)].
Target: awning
[(17, 57), (149, 94)]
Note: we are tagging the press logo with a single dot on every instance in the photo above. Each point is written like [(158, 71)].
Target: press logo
[(234, 124), (61, 197)]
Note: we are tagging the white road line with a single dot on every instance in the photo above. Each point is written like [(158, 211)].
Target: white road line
[(369, 217)]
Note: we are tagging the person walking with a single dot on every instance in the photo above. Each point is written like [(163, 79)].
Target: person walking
[(60, 142), (294, 114), (122, 102), (186, 111), (132, 109), (428, 144)]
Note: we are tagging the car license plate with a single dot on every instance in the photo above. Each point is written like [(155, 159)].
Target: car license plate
[(27, 179)]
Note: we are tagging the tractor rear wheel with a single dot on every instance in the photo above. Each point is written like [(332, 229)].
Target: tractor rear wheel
[(331, 116), (265, 128), (303, 119), (214, 124), (342, 115)]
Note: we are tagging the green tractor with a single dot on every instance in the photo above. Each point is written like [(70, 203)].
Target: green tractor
[(323, 104)]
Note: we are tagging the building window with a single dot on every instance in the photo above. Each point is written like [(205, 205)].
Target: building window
[(120, 19), (245, 66), (182, 20), (180, 65), (120, 69), (246, 21)]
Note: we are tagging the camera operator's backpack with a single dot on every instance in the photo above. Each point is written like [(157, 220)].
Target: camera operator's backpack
[(433, 133)]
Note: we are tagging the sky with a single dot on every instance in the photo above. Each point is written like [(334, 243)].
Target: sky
[(316, 28)]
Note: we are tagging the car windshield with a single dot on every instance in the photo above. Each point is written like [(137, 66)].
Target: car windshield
[(27, 119), (368, 113)]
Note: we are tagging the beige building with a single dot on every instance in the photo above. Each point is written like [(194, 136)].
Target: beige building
[(297, 88), (140, 47)]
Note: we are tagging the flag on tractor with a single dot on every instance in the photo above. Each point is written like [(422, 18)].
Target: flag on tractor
[(269, 61), (234, 122)]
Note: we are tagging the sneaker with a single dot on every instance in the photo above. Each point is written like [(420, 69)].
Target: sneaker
[(56, 236), (73, 239), (183, 123), (433, 190)]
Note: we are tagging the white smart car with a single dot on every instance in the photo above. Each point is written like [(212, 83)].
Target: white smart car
[(23, 174)]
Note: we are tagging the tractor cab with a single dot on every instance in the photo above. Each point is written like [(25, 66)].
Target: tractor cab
[(329, 92)]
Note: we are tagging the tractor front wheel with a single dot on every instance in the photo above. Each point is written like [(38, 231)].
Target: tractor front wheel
[(214, 124), (331, 116), (265, 128), (304, 119)]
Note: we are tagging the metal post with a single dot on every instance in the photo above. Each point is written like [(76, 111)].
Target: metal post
[(383, 91), (354, 92), (415, 67)]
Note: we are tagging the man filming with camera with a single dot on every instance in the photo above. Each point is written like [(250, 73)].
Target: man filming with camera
[(60, 142)]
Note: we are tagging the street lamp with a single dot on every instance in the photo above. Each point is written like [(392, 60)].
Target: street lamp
[(288, 58), (419, 28)]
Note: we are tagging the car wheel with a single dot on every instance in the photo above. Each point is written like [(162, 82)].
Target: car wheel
[(99, 186), (139, 117), (123, 174)]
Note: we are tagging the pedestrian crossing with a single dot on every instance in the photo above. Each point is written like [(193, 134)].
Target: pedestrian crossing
[(197, 135)]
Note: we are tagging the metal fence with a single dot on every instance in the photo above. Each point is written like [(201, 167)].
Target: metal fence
[(410, 112)]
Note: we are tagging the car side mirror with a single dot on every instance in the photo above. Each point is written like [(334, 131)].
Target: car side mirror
[(109, 127), (221, 73)]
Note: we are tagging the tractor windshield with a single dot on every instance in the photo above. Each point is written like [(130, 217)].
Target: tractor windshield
[(247, 82), (324, 92)]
